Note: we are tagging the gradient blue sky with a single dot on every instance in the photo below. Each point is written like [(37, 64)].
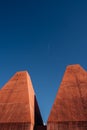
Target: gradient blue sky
[(42, 37)]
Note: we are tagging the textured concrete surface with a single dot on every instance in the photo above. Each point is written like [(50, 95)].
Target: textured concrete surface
[(18, 104), (70, 106), (16, 126)]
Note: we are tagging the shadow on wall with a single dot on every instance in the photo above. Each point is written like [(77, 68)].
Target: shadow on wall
[(38, 119)]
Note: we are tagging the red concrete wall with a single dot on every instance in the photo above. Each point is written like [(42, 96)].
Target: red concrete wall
[(15, 100), (18, 105), (71, 100), (16, 126), (70, 105), (67, 126)]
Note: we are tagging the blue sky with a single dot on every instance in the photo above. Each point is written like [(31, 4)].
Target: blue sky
[(42, 37)]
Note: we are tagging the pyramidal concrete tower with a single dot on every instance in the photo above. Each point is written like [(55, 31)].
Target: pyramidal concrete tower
[(18, 104), (69, 111)]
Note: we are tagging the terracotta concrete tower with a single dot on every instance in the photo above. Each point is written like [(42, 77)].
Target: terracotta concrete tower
[(18, 105), (69, 111)]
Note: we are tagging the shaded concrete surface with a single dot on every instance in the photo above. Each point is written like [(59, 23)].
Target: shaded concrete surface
[(69, 111), (37, 117), (40, 127)]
